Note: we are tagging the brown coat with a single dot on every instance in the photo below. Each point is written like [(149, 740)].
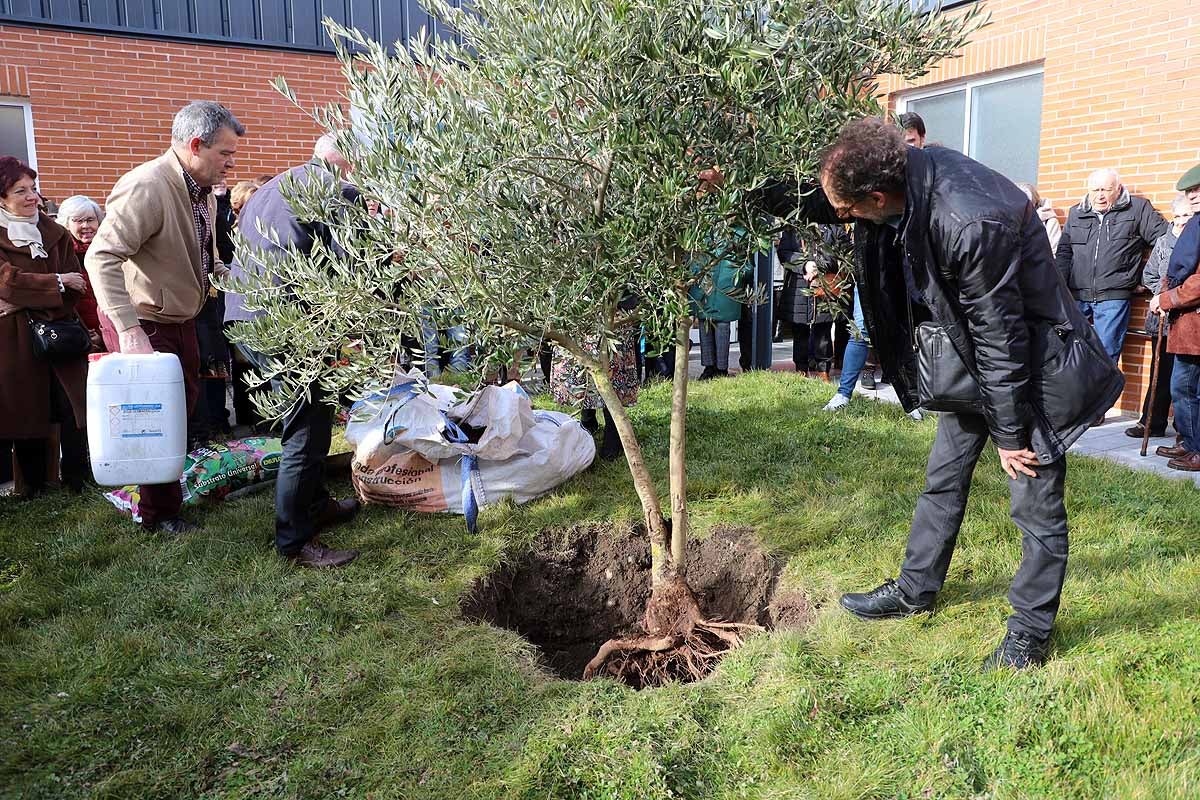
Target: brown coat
[(1183, 302), (24, 379)]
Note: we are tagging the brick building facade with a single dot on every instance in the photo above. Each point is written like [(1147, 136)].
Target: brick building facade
[(1117, 81), (101, 104)]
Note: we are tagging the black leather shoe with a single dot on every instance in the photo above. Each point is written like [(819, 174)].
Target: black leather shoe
[(1018, 651), (883, 602), (707, 374), (1139, 432)]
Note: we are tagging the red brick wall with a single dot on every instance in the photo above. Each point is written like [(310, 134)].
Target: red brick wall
[(103, 104), (1120, 79)]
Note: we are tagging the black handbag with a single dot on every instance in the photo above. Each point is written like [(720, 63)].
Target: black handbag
[(943, 381), (60, 339)]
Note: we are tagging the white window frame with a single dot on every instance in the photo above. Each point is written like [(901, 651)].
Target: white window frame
[(24, 105), (902, 100)]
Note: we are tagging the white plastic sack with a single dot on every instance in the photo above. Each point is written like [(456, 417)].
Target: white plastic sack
[(412, 447)]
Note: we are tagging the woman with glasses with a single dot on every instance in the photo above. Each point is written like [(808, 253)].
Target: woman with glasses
[(40, 283), (81, 216)]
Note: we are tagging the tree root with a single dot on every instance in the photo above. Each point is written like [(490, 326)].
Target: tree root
[(647, 644), (679, 645), (648, 661)]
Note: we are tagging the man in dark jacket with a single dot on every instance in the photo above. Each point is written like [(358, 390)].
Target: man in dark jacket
[(1100, 253), (942, 238), (303, 505)]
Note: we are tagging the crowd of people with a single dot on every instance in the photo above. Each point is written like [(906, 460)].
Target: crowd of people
[(1037, 312)]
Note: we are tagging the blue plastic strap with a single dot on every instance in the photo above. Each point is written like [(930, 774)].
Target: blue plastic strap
[(467, 466), (470, 464)]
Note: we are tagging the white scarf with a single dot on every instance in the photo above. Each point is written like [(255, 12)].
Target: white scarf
[(23, 231)]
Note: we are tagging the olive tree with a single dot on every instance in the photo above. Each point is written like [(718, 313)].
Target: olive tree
[(540, 168)]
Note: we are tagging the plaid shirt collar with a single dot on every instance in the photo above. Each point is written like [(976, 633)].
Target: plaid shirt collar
[(197, 193), (202, 219)]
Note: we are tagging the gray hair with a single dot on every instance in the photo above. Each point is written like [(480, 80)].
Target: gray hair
[(327, 146), (75, 205), (202, 119), (1104, 175), (1180, 205)]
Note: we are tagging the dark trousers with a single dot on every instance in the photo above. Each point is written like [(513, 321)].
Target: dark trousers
[(817, 339), (243, 402), (31, 454), (745, 332), (300, 491), (1156, 417), (1036, 506), (162, 501)]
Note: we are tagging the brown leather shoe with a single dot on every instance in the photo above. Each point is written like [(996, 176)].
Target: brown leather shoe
[(1178, 451), (315, 555), (337, 512), (1188, 463)]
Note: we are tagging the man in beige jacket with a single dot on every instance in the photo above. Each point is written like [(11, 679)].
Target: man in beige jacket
[(152, 260)]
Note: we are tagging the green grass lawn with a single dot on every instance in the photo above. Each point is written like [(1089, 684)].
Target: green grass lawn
[(132, 666)]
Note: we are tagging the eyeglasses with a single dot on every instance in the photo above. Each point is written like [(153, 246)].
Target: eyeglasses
[(843, 210)]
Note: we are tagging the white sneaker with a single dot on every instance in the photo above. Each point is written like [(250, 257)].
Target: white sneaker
[(838, 402), (917, 414)]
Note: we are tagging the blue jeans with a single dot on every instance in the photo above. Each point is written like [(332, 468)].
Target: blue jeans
[(1110, 318), (1185, 393), (856, 353)]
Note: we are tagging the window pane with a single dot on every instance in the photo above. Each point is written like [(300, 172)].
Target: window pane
[(13, 141), (1006, 126), (943, 115)]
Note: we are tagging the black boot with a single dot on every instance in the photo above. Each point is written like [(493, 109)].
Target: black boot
[(883, 602), (587, 418), (610, 447), (1018, 650)]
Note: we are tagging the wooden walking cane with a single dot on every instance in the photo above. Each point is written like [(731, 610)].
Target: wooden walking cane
[(1162, 323)]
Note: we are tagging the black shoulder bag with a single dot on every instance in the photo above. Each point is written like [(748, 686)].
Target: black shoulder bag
[(60, 339), (943, 381)]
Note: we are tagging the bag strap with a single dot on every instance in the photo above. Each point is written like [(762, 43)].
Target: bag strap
[(912, 328)]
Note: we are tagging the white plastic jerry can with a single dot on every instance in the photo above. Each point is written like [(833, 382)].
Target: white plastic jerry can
[(136, 418)]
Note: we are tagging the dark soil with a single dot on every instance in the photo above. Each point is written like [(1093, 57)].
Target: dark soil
[(578, 588)]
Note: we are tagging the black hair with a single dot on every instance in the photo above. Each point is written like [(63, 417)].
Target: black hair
[(868, 156), (911, 121)]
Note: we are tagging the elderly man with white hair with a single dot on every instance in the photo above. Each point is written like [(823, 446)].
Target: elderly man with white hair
[(1100, 253), (269, 225), (81, 216), (153, 257)]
